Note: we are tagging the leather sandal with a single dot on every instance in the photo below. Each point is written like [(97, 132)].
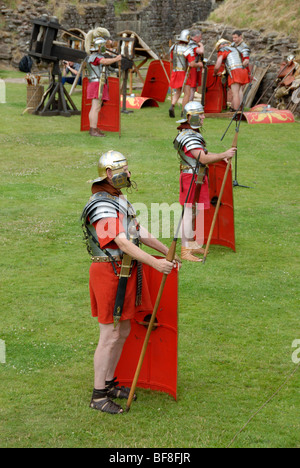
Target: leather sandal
[(106, 406), (196, 248), (113, 391), (187, 254)]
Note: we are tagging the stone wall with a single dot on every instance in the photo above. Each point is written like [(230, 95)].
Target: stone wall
[(157, 24)]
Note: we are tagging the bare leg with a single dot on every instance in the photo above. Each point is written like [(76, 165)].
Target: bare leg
[(188, 244), (186, 97), (94, 113), (235, 88), (109, 350), (175, 97)]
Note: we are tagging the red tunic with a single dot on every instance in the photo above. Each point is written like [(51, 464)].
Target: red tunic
[(195, 77), (239, 75), (184, 183), (177, 77), (104, 283), (92, 91)]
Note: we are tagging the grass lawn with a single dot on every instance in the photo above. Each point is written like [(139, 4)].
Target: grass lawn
[(238, 313)]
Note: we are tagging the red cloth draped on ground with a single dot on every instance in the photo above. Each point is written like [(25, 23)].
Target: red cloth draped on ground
[(104, 283)]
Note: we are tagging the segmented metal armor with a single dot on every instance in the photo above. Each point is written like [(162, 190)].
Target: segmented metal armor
[(190, 140), (233, 60), (179, 57), (103, 205), (94, 71), (243, 49)]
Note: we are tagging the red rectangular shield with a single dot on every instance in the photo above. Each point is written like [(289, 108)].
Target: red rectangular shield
[(109, 116), (157, 80), (215, 93), (223, 233), (159, 369)]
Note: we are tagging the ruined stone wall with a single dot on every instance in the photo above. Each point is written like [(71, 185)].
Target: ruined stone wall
[(157, 23)]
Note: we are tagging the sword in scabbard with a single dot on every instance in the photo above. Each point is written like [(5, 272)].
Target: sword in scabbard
[(125, 273), (101, 85), (122, 285), (200, 180)]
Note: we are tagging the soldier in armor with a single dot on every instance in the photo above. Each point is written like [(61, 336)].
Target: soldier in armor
[(194, 55), (194, 158), (113, 236), (237, 75), (97, 89), (180, 67), (243, 48)]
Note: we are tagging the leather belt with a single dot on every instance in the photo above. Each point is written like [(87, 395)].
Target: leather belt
[(187, 171), (105, 259)]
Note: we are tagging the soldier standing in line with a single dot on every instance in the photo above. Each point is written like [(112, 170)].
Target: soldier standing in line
[(194, 55), (237, 75), (194, 158), (180, 66), (113, 236), (97, 89)]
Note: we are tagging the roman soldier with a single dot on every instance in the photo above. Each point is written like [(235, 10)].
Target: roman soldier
[(97, 89), (237, 74), (113, 236), (195, 56), (180, 67), (194, 158), (243, 49)]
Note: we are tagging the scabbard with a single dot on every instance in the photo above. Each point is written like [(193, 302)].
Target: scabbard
[(121, 291), (199, 183), (118, 309)]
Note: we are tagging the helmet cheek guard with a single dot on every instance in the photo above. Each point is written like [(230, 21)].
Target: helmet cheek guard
[(120, 179), (193, 109), (116, 162)]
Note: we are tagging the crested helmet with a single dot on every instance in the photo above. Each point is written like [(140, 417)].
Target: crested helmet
[(221, 42)]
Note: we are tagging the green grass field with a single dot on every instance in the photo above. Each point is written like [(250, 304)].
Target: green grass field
[(238, 313)]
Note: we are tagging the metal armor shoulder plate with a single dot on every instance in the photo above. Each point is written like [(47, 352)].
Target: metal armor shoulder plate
[(94, 71), (233, 59), (189, 139), (103, 205), (243, 49), (191, 49)]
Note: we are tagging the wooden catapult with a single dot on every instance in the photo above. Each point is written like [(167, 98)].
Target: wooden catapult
[(44, 47)]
